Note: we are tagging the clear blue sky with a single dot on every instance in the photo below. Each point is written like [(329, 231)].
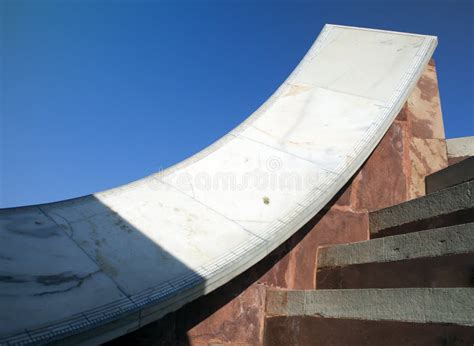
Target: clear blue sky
[(95, 94)]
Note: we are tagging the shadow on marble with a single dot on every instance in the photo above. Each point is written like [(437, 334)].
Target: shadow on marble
[(72, 260)]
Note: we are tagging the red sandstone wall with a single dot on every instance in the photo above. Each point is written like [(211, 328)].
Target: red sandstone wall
[(413, 147), (425, 139)]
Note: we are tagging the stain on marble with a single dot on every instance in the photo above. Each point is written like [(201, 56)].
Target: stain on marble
[(74, 280), (296, 89), (24, 227)]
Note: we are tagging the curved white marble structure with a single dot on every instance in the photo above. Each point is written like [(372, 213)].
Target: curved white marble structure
[(95, 267)]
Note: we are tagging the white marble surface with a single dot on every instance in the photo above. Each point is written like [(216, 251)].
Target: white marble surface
[(44, 273), (162, 241)]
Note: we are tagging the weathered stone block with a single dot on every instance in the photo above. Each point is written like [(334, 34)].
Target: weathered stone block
[(426, 156), (240, 321), (423, 107), (382, 180)]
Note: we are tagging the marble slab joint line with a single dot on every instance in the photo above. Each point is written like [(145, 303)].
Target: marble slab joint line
[(210, 208), (84, 252), (285, 152)]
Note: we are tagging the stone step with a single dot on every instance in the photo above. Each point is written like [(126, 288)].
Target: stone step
[(455, 174), (459, 148), (320, 331), (414, 305), (403, 316), (450, 206), (442, 257)]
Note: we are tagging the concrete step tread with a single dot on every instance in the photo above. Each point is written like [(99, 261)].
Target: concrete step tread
[(453, 205), (417, 305), (451, 240), (455, 174)]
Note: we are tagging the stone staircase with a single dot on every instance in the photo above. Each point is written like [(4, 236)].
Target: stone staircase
[(411, 284)]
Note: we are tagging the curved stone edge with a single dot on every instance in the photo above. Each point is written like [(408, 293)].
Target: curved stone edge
[(149, 305)]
